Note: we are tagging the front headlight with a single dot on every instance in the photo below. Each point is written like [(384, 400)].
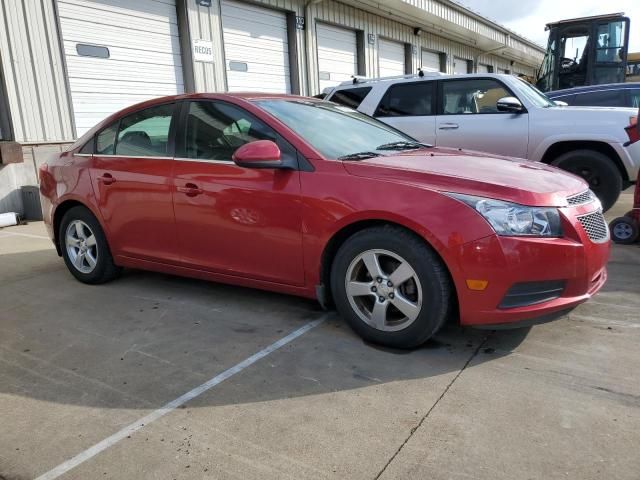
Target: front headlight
[(512, 219)]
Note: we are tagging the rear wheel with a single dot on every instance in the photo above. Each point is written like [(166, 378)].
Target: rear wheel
[(597, 170), (84, 247), (390, 287)]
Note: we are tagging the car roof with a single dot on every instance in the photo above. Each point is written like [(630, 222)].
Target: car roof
[(591, 88), (368, 82)]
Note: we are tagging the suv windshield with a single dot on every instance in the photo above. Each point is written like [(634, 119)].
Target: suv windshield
[(337, 131), (534, 95)]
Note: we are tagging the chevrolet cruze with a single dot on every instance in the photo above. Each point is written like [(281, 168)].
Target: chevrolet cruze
[(306, 197)]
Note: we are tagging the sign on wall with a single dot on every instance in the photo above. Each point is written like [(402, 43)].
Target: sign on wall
[(203, 50)]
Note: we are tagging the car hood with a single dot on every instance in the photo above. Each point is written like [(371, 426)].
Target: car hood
[(474, 173)]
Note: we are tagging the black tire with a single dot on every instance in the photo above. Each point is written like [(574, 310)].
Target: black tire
[(432, 274), (624, 230), (105, 269), (598, 170)]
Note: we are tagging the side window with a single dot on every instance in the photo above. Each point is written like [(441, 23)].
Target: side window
[(214, 130), (106, 141), (351, 97), (634, 97), (607, 98), (145, 133), (407, 100), (472, 96)]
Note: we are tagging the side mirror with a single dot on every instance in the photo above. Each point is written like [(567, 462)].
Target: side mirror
[(258, 154), (509, 104), (560, 103)]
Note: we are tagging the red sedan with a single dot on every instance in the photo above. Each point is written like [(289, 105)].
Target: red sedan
[(305, 197)]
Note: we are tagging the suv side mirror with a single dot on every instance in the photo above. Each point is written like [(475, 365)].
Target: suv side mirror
[(509, 104), (258, 154)]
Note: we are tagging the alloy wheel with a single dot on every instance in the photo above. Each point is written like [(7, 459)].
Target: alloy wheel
[(384, 290), (81, 246)]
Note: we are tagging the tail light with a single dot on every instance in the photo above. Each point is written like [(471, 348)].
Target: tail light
[(633, 131)]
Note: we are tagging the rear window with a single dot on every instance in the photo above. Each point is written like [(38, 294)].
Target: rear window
[(352, 97)]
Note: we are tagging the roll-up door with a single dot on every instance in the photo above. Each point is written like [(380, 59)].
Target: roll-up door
[(337, 54), (118, 53), (256, 48), (390, 58), (430, 61)]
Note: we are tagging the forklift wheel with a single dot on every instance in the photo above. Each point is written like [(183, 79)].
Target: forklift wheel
[(624, 230)]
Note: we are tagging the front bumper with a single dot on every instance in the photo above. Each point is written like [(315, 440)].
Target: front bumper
[(574, 260)]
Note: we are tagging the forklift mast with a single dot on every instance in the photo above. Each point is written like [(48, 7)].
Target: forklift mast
[(585, 51)]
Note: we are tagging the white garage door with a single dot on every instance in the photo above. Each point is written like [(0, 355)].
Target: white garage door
[(256, 48), (460, 66), (483, 68), (390, 58), (119, 53), (430, 61), (337, 54)]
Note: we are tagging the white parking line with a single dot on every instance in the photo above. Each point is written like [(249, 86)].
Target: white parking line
[(190, 395), (30, 235)]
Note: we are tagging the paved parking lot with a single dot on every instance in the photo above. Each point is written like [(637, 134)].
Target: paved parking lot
[(81, 367)]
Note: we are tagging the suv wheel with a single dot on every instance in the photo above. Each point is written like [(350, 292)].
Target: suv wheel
[(598, 170), (84, 247), (390, 287)]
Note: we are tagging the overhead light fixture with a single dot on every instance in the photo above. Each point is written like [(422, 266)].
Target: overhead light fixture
[(417, 31)]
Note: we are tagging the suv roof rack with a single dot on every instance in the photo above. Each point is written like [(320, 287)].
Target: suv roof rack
[(357, 80)]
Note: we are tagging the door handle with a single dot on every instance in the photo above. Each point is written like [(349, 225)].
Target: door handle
[(448, 126), (107, 179), (190, 189)]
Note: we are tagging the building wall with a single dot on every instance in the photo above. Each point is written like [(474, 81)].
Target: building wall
[(205, 23), (33, 69)]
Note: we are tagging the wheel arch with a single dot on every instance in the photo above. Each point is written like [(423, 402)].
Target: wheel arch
[(565, 146), (58, 213), (347, 231)]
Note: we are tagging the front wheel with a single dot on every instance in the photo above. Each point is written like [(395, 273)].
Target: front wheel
[(390, 287), (598, 170), (84, 247)]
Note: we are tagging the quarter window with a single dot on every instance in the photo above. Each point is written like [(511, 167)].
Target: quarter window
[(351, 97), (215, 130), (407, 100), (145, 133), (472, 96), (106, 141), (634, 97)]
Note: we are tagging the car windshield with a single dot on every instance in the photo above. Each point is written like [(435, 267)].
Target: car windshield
[(336, 131), (534, 95)]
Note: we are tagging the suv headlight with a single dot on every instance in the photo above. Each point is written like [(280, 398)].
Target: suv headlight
[(512, 219)]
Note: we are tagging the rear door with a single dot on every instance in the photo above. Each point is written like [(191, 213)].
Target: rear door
[(410, 107), (468, 118), (131, 176), (234, 220)]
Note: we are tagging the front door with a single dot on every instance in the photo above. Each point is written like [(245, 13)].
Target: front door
[(233, 220), (469, 118), (131, 176)]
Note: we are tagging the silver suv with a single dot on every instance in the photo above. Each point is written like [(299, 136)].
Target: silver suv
[(504, 115)]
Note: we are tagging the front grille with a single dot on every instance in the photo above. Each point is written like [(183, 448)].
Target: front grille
[(580, 199), (595, 226)]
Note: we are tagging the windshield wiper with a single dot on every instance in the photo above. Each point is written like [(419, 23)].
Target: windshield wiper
[(403, 145), (359, 156)]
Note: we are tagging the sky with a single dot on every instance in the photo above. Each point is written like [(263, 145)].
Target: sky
[(528, 17)]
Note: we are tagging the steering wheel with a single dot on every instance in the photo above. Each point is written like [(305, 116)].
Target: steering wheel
[(566, 63)]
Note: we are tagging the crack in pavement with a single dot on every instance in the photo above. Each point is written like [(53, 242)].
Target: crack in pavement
[(422, 420)]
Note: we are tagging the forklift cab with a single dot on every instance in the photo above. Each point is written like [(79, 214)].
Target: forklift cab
[(585, 51)]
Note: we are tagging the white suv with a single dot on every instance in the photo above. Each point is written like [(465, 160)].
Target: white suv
[(504, 115)]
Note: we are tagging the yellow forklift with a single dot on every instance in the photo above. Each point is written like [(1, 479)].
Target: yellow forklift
[(633, 67), (585, 51)]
